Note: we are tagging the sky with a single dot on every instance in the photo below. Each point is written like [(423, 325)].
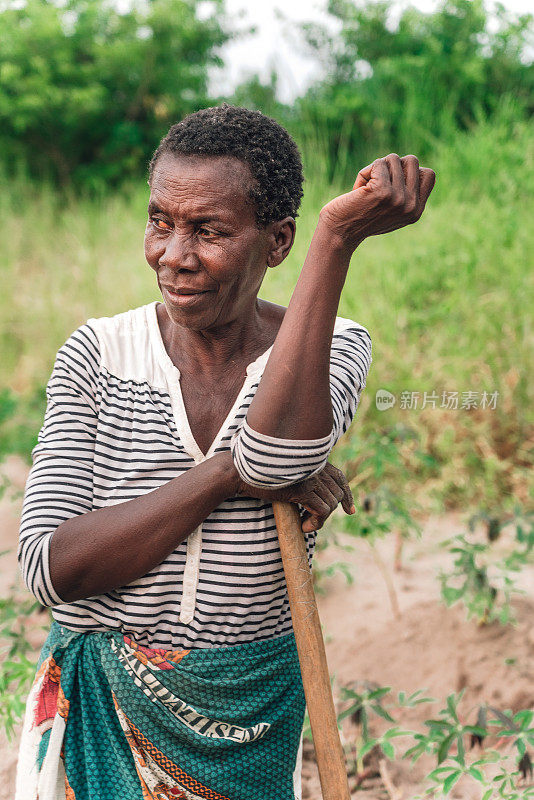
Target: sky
[(276, 43)]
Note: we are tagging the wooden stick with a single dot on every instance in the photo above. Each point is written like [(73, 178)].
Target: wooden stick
[(312, 656)]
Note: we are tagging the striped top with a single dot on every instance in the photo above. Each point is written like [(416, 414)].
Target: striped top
[(115, 428)]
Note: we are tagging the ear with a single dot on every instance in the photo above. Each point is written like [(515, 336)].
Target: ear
[(282, 237)]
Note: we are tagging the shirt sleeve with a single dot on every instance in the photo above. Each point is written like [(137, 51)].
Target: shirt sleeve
[(60, 483), (272, 463), (350, 362)]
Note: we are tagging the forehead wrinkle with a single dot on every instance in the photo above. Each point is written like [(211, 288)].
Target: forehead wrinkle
[(202, 186), (177, 199)]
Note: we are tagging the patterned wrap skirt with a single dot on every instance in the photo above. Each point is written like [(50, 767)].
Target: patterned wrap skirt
[(109, 719)]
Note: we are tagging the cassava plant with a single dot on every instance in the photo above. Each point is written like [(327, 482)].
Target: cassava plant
[(383, 511), (321, 573), (363, 700), (380, 460), (481, 578), (450, 738)]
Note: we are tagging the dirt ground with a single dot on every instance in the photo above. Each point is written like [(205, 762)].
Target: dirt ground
[(427, 647)]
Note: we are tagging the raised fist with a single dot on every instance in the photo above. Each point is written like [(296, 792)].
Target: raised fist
[(388, 194)]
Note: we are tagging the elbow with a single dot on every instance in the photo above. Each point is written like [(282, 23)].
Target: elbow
[(257, 476), (33, 558), (37, 588), (271, 463)]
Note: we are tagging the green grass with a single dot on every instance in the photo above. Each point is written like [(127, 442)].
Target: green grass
[(448, 301)]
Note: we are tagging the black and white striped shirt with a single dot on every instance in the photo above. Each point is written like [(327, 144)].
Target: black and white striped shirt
[(115, 428)]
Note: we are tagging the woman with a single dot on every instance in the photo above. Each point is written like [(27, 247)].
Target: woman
[(170, 669)]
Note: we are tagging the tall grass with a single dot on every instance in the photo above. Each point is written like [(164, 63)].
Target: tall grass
[(448, 301)]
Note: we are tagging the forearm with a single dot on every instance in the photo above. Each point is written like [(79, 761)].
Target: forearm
[(293, 398), (99, 551)]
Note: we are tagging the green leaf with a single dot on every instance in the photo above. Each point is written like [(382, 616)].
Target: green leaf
[(444, 748), (436, 774), (461, 750), (451, 706), (476, 774), (451, 595), (388, 749), (438, 723), (366, 747), (451, 780), (524, 717), (381, 712), (377, 693), (505, 718)]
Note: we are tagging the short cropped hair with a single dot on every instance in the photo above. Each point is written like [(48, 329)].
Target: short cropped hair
[(270, 152)]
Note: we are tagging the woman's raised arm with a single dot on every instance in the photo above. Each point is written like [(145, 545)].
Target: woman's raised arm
[(293, 400)]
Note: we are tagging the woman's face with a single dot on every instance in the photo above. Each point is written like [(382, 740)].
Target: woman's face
[(202, 241)]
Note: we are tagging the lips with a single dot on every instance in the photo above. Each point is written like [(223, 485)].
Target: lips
[(185, 296), (185, 289)]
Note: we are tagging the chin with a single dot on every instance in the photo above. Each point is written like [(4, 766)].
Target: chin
[(194, 320)]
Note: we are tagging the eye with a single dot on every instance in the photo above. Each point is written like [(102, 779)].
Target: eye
[(160, 224), (206, 233)]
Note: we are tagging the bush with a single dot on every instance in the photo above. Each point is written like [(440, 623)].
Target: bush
[(86, 92)]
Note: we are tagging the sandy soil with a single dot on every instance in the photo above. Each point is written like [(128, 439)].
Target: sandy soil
[(427, 647)]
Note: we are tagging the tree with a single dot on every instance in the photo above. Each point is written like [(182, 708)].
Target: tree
[(401, 88), (87, 91)]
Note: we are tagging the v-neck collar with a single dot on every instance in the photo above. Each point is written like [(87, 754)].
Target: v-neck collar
[(164, 358), (180, 415)]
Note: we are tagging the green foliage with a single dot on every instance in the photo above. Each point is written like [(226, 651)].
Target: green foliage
[(16, 669), (519, 727), (448, 738), (322, 573), (382, 459), (364, 700), (20, 419), (480, 578), (259, 96), (375, 458), (403, 88), (87, 91), (384, 511), (446, 732)]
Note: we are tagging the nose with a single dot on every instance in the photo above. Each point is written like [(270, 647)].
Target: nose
[(179, 252)]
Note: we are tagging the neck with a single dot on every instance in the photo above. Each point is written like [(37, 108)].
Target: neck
[(214, 350)]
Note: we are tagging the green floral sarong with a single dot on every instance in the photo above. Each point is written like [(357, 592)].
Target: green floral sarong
[(109, 719)]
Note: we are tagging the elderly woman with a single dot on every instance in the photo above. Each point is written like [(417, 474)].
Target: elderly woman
[(170, 669)]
